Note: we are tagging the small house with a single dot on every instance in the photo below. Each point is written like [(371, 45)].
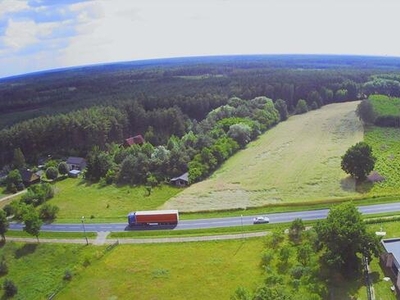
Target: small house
[(76, 163), (390, 261), (137, 139), (181, 181), (29, 177)]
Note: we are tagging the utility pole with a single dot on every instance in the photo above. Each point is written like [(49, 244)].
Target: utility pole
[(84, 230)]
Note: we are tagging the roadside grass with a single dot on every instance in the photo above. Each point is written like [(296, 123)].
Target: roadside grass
[(297, 160), (51, 235), (198, 270), (38, 269)]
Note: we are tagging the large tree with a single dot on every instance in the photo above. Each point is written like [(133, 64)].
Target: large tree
[(343, 237), (358, 161), (32, 223)]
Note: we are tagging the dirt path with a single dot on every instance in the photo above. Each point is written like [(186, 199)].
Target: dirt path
[(12, 196)]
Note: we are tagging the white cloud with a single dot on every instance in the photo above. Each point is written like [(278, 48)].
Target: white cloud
[(12, 6)]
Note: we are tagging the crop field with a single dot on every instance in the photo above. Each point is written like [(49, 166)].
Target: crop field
[(207, 270), (385, 143), (385, 105), (298, 160)]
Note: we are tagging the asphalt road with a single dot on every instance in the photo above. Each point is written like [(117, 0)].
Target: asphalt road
[(211, 223)]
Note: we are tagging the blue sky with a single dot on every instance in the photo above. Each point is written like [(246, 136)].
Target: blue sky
[(39, 35)]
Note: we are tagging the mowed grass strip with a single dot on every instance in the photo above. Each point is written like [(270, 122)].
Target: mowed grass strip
[(76, 199), (199, 270), (296, 161)]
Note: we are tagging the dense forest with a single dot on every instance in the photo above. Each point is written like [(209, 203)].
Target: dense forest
[(194, 111)]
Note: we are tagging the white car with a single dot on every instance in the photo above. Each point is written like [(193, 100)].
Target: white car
[(261, 220)]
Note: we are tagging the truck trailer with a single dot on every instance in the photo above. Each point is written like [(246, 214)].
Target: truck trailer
[(159, 217)]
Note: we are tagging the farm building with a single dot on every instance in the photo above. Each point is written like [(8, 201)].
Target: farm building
[(29, 177), (390, 261), (181, 181), (76, 163), (137, 139)]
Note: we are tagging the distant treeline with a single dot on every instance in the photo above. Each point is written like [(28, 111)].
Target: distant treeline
[(78, 109)]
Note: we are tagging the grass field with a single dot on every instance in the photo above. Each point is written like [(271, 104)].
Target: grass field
[(385, 105), (199, 270), (76, 199), (298, 160), (208, 270), (38, 269)]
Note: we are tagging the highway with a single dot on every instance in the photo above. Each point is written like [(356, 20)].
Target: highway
[(210, 223)]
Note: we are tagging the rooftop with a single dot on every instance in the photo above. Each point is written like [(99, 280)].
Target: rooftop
[(393, 246)]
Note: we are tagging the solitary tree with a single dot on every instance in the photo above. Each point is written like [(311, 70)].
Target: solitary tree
[(343, 236), (32, 223), (4, 224), (358, 161)]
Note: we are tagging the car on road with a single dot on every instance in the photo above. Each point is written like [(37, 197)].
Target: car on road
[(261, 220)]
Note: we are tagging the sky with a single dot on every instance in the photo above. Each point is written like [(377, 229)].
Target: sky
[(38, 35)]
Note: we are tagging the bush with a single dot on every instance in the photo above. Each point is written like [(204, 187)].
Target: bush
[(3, 266), (51, 173), (67, 275), (9, 210), (10, 289)]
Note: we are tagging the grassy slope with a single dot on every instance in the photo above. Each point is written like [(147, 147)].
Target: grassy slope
[(298, 160), (209, 270)]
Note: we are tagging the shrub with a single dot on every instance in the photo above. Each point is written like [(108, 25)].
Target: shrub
[(3, 266), (67, 275), (10, 289)]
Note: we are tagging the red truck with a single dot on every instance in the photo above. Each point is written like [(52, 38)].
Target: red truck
[(160, 217)]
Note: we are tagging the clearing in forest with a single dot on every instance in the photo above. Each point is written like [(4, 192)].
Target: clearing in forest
[(296, 161)]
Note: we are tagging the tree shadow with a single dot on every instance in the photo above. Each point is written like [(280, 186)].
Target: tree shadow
[(348, 184), (25, 250), (364, 187)]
